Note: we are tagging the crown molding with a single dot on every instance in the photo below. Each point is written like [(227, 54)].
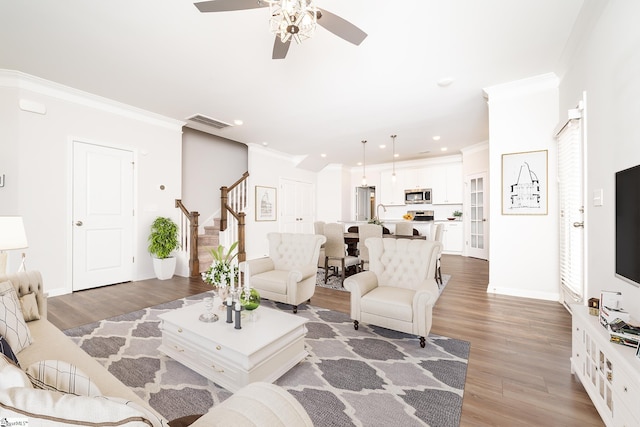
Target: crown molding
[(26, 82)]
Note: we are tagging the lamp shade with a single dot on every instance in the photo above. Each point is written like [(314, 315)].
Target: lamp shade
[(12, 235)]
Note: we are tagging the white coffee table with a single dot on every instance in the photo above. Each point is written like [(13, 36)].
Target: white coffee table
[(263, 350)]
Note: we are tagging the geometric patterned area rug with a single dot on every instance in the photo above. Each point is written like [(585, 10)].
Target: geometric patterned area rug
[(369, 377), (333, 282)]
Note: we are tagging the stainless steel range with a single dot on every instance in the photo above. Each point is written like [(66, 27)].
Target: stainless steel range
[(421, 215)]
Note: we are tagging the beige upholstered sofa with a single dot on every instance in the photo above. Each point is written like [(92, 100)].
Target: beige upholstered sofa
[(288, 274), (256, 404)]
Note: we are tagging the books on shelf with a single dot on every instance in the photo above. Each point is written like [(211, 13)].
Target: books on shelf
[(623, 333)]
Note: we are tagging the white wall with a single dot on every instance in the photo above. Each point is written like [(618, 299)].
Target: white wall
[(208, 163), (523, 248), (330, 196), (266, 168), (607, 67), (40, 145)]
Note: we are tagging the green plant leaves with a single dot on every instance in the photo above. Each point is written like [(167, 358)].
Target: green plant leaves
[(163, 238)]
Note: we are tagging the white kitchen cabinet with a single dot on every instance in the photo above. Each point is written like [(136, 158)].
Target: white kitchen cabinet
[(416, 178), (610, 373), (392, 191), (446, 183), (452, 237)]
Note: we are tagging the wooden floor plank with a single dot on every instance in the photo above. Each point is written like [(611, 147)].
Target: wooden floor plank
[(518, 372)]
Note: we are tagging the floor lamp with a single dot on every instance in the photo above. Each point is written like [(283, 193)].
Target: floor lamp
[(12, 237)]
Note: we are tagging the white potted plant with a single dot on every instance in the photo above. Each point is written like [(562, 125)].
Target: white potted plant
[(163, 240)]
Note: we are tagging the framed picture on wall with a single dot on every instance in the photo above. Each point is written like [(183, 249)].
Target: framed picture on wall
[(524, 183), (265, 203)]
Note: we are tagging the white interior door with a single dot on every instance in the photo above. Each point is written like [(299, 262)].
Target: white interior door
[(296, 206), (102, 215), (478, 235)]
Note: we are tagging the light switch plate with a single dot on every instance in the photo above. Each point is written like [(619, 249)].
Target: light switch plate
[(597, 197)]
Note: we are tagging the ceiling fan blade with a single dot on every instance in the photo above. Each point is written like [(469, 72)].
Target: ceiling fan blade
[(229, 5), (341, 27), (280, 49)]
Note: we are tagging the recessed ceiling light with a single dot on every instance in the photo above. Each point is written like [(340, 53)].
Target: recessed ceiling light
[(396, 155), (359, 163), (265, 143), (323, 155), (445, 81), (443, 149), (436, 137), (238, 122), (383, 146)]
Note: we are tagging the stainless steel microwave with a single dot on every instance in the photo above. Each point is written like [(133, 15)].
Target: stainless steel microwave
[(417, 196)]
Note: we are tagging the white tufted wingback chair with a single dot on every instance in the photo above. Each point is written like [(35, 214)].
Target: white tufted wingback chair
[(399, 290), (288, 274)]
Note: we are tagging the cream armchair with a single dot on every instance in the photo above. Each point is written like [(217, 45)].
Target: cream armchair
[(288, 274), (399, 290)]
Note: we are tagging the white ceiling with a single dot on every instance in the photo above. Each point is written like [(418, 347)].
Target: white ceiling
[(327, 95)]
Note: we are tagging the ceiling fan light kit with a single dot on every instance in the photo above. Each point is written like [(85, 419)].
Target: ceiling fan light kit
[(291, 19), (295, 19)]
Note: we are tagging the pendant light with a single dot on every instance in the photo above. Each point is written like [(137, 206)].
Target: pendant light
[(364, 172), (393, 175)]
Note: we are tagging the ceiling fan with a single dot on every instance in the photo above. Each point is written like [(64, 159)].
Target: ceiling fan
[(291, 19)]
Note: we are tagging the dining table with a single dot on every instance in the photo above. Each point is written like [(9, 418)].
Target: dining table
[(352, 239)]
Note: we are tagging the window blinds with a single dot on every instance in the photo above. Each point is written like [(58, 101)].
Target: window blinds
[(571, 204)]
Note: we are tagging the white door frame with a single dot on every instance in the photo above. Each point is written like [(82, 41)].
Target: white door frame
[(70, 208), (468, 250)]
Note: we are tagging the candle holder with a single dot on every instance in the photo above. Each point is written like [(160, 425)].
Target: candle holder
[(208, 316), (238, 311)]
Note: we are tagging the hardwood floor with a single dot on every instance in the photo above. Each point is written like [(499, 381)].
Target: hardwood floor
[(518, 373)]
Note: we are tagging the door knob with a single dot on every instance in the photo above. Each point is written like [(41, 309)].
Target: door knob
[(79, 223), (578, 224)]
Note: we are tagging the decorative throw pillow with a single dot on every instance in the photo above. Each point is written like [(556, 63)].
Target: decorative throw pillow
[(57, 375), (5, 349), (12, 324), (11, 375), (29, 307), (51, 408)]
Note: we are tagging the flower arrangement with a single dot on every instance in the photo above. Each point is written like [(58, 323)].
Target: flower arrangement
[(407, 217), (223, 270), (457, 214)]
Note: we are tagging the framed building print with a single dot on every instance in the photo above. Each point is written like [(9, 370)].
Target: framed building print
[(524, 183), (265, 203)]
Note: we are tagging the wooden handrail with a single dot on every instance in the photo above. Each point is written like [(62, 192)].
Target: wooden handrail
[(239, 216), (235, 184), (194, 262), (192, 217)]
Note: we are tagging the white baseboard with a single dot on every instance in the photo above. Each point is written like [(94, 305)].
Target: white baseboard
[(524, 293)]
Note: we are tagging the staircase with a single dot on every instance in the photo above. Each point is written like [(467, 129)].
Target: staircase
[(207, 241), (233, 201)]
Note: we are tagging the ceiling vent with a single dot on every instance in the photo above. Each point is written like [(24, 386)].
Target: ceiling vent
[(208, 121)]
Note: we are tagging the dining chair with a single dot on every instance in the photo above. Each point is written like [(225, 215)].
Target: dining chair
[(366, 231), (335, 254), (436, 234), (318, 228), (404, 229)]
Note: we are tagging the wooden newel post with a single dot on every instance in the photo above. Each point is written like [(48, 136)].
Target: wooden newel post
[(224, 191), (194, 262), (242, 255)]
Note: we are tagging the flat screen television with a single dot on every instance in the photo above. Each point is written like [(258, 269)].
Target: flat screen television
[(628, 225)]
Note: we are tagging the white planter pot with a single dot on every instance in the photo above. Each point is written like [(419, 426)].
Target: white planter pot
[(164, 268)]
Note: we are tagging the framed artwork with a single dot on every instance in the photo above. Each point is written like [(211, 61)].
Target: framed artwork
[(265, 203), (524, 183)]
